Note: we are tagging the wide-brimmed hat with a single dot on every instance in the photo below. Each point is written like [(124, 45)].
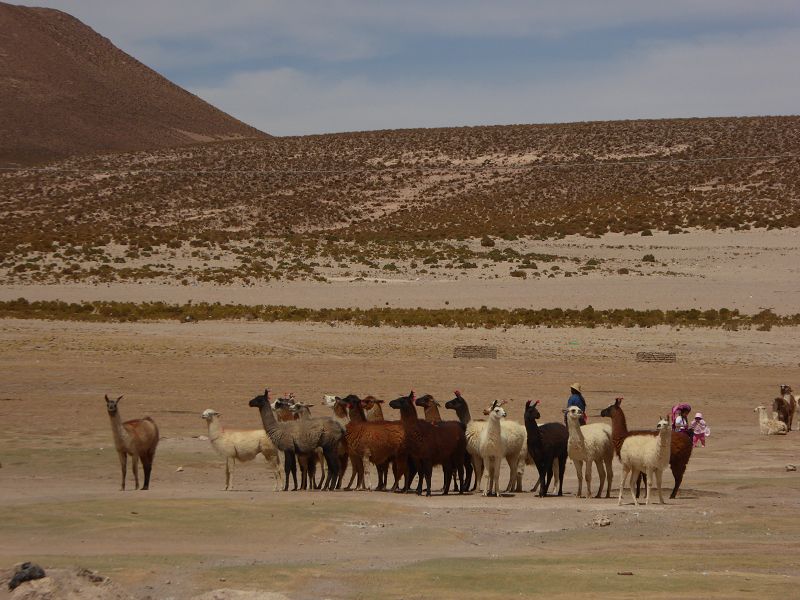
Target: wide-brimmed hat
[(698, 415), (576, 387)]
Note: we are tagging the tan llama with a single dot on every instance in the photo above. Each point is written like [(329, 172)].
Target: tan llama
[(137, 438)]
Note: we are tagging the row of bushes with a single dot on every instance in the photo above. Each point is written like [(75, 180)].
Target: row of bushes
[(395, 317)]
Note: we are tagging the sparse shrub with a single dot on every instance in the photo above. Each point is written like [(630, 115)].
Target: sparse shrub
[(487, 242), (646, 233), (649, 258)]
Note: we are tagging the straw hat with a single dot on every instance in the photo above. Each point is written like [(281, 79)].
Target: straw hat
[(576, 387)]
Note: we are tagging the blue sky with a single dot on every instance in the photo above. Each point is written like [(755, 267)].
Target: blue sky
[(342, 65)]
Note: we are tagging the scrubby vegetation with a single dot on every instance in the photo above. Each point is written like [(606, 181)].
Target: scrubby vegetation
[(502, 182), (396, 317)]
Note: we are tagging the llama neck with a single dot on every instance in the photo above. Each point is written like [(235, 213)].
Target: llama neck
[(762, 416), (432, 413), (574, 427), (462, 410), (268, 418), (357, 413), (120, 436), (534, 435), (619, 426), (376, 413), (215, 429), (493, 427), (339, 410), (408, 415)]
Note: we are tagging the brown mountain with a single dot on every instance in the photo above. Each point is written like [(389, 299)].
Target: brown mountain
[(65, 90)]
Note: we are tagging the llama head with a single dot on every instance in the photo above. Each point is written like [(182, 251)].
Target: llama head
[(111, 405), (532, 410), (496, 411), (261, 400), (209, 414), (369, 402), (663, 423), (300, 407), (574, 413), (609, 410), (426, 401), (457, 402), (330, 400), (284, 402), (403, 402), (785, 389)]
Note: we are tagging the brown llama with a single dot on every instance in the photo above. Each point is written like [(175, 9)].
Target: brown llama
[(785, 406), (680, 445), (430, 445), (136, 438)]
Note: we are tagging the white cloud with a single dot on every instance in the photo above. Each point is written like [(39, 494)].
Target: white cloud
[(713, 76)]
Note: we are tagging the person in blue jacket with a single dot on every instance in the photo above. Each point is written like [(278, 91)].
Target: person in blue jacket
[(576, 399)]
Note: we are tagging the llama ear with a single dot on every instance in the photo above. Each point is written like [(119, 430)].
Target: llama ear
[(107, 400), (527, 404), (412, 395), (121, 397), (457, 393), (536, 403)]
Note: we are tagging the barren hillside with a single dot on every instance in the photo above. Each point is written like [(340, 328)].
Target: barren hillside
[(66, 90), (538, 180)]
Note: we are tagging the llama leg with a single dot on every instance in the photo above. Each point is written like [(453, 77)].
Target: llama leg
[(289, 468), (123, 463), (479, 473), (562, 465), (227, 474), (147, 463), (622, 484), (512, 476), (428, 476), (634, 476), (579, 472), (588, 477), (601, 476), (677, 472), (610, 472), (658, 483), (135, 463)]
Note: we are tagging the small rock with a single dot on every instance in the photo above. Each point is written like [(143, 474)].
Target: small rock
[(26, 572), (179, 470), (601, 521), (624, 573), (791, 467)]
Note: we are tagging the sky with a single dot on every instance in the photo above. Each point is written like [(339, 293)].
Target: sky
[(303, 67)]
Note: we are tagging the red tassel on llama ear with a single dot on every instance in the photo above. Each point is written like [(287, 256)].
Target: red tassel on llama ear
[(412, 395), (536, 403), (457, 393)]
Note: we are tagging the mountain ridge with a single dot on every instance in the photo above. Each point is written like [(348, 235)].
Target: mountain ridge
[(68, 91)]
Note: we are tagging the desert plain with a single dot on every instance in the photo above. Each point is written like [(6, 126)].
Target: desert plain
[(731, 531)]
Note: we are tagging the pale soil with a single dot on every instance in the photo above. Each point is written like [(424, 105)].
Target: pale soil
[(731, 532), (749, 271)]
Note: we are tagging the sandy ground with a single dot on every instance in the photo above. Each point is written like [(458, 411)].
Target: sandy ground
[(749, 271), (731, 532)]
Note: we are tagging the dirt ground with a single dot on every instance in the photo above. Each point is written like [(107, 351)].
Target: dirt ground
[(730, 533)]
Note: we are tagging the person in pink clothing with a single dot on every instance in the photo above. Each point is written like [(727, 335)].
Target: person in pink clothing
[(700, 429)]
